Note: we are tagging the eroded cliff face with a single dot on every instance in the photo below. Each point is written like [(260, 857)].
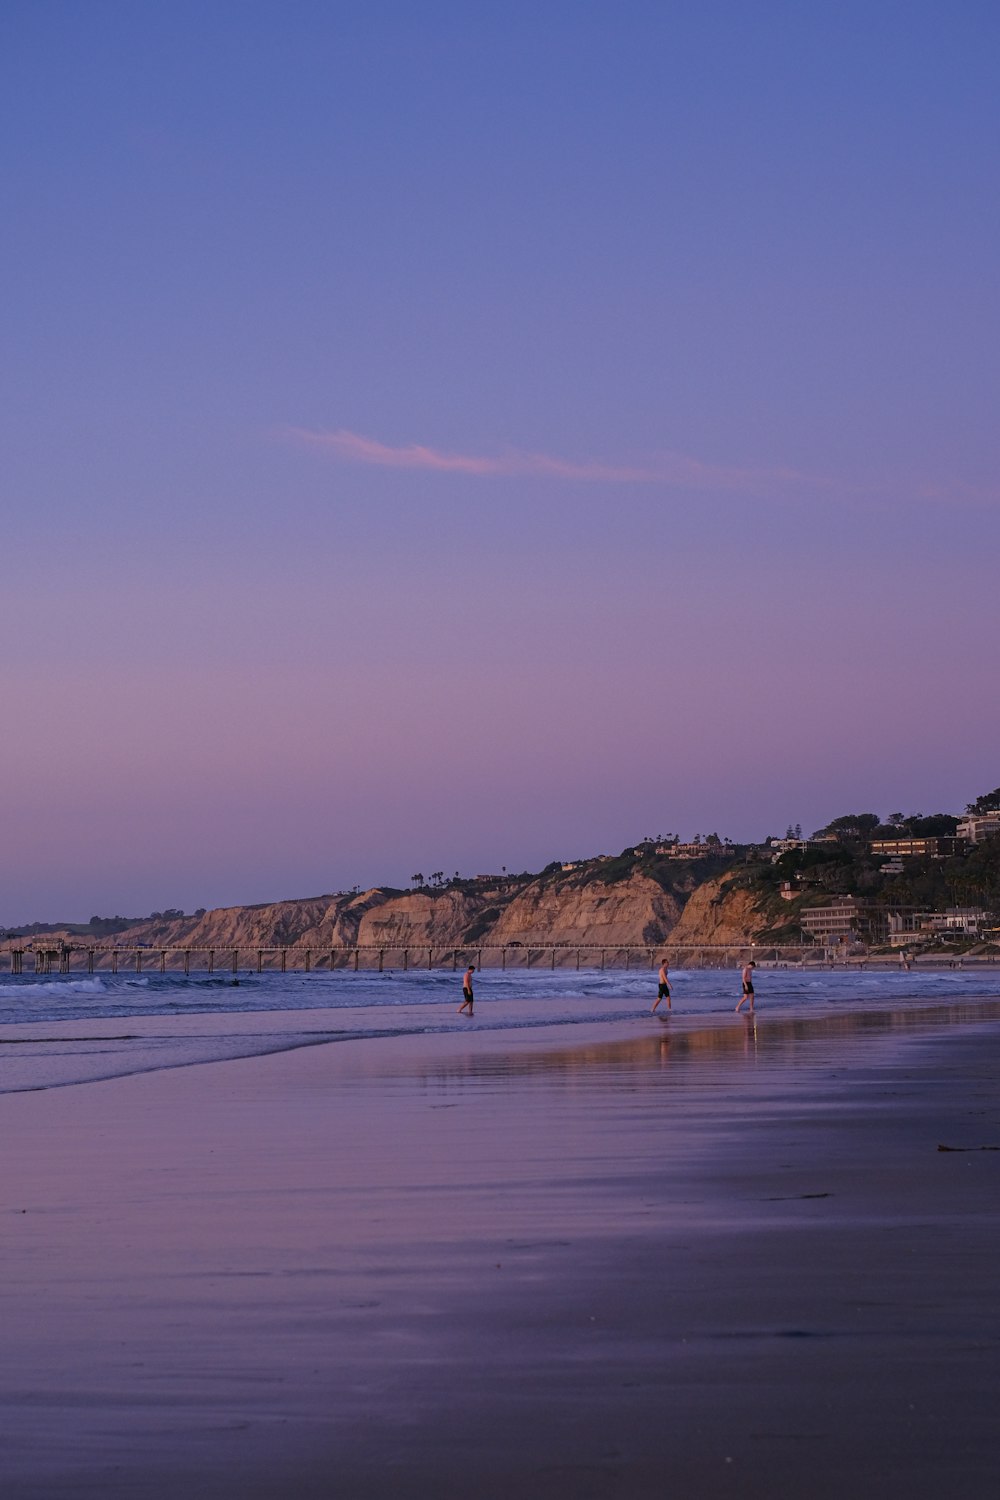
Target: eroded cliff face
[(636, 910), (320, 921), (719, 912), (574, 909), (419, 919)]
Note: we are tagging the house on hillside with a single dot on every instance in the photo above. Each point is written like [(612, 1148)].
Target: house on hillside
[(975, 829), (699, 850), (932, 848), (839, 920), (778, 847)]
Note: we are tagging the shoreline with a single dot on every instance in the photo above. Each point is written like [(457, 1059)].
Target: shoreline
[(41, 1055), (565, 1261)]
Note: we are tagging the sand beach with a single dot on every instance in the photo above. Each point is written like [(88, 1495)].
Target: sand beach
[(708, 1257)]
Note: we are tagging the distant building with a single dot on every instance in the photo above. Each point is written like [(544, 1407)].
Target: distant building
[(906, 926), (572, 864), (903, 927), (838, 921), (787, 891), (916, 848), (969, 920), (699, 850), (974, 830), (784, 846)]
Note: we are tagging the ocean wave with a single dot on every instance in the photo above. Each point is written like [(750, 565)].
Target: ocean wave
[(551, 994), (27, 985)]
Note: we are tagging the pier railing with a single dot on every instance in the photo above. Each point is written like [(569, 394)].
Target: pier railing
[(39, 958)]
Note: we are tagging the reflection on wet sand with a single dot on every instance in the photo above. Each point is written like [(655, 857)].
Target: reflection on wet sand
[(753, 1037)]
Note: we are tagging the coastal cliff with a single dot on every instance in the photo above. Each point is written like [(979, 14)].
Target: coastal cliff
[(588, 907), (720, 912), (709, 893), (317, 921), (635, 910)]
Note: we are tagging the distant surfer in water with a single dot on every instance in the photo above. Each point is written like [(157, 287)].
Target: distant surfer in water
[(467, 990), (747, 985), (663, 993)]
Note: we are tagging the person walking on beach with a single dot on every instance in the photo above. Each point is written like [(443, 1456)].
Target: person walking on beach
[(467, 990), (747, 985), (663, 993)]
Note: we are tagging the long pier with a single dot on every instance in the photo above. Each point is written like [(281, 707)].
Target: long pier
[(90, 958)]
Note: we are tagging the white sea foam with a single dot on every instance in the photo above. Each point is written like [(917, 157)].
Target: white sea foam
[(29, 986)]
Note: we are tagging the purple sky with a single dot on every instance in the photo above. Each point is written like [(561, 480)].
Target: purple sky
[(448, 436)]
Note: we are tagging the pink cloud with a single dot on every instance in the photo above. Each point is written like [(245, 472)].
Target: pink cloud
[(675, 469)]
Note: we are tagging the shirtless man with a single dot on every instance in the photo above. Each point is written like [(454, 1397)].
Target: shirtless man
[(663, 993), (747, 985), (467, 990)]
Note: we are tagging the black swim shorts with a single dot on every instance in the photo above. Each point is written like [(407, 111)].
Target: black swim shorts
[(664, 992)]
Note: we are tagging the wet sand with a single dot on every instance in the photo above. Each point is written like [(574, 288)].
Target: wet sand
[(720, 1259)]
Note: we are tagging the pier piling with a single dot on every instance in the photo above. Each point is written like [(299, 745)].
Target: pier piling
[(61, 959)]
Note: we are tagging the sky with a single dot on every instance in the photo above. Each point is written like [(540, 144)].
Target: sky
[(467, 435)]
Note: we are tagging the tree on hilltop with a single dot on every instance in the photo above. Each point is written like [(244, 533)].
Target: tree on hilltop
[(851, 826), (917, 825), (107, 926), (989, 802), (934, 825)]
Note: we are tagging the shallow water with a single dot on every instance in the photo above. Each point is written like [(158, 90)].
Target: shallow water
[(556, 997), (56, 1031)]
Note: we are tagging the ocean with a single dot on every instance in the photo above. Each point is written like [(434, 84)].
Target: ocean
[(56, 1031)]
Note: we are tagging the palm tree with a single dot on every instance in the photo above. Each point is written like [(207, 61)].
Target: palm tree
[(417, 879)]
